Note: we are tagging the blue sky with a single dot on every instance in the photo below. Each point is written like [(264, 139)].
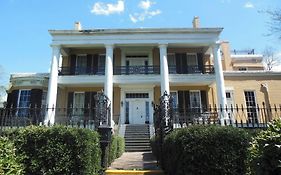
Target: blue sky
[(24, 37)]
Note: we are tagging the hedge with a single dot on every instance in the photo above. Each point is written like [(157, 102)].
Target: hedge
[(265, 151), (117, 147), (58, 150), (9, 162), (205, 150)]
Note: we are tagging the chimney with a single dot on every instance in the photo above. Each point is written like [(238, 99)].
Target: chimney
[(196, 22), (77, 26)]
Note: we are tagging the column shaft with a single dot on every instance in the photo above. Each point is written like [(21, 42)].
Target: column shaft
[(108, 83), (52, 87), (164, 69)]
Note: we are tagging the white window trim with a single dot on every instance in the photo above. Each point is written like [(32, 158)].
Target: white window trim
[(192, 53), (199, 98), (258, 118)]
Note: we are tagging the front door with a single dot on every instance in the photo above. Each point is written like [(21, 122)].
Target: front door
[(137, 111)]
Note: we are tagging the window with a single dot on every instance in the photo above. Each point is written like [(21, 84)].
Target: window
[(24, 103), (242, 69), (172, 63), (78, 105), (228, 95), (81, 64), (195, 101), (137, 95), (101, 64), (174, 95), (192, 60), (251, 106)]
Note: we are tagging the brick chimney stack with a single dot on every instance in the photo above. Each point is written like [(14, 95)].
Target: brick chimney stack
[(77, 25), (196, 22)]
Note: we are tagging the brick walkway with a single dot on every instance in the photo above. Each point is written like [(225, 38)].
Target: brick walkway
[(135, 160)]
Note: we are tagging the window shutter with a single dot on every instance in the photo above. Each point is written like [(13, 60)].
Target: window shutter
[(93, 106), (70, 103), (203, 101), (180, 100), (87, 104), (36, 98), (72, 64), (187, 101), (184, 64), (200, 62), (13, 99), (95, 63), (89, 64), (35, 101), (178, 63)]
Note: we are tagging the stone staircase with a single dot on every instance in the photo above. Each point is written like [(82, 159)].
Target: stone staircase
[(137, 138)]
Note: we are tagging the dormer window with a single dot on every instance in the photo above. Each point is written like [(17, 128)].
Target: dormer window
[(242, 69)]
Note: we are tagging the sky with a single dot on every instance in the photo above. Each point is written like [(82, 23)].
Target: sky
[(25, 41)]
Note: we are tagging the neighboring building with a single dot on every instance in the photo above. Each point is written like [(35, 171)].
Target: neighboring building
[(135, 66)]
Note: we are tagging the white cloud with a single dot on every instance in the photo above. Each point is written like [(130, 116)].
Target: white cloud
[(249, 5), (146, 4), (101, 8), (136, 17)]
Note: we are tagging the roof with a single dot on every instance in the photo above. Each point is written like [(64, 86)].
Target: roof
[(138, 30)]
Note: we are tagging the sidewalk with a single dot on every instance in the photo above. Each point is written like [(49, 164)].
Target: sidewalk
[(135, 161)]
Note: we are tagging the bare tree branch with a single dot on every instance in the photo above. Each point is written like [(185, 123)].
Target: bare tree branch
[(270, 58), (275, 22)]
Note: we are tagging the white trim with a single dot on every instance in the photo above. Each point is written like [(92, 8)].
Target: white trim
[(132, 89)]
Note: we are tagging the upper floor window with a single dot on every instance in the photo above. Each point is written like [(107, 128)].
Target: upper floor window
[(81, 64)]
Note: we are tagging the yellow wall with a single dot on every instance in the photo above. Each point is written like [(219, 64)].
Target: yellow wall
[(116, 104), (240, 84), (156, 57)]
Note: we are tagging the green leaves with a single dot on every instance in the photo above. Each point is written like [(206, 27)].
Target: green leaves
[(206, 150), (9, 162), (265, 151), (58, 150)]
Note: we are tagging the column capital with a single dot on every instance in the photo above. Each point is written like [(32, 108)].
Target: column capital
[(163, 45), (55, 46), (109, 46), (216, 45)]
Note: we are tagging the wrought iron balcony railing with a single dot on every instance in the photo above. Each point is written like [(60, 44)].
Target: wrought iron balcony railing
[(131, 70), (134, 70), (204, 69), (82, 71)]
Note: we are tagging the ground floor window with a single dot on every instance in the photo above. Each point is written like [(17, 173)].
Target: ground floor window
[(251, 105), (24, 102)]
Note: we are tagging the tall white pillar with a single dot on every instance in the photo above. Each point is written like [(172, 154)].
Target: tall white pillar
[(52, 87), (164, 69), (108, 83), (219, 81)]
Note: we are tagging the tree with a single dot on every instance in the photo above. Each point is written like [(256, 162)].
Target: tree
[(270, 58), (275, 22)]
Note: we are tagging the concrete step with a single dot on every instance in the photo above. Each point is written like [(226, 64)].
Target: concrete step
[(134, 172), (142, 149), (137, 144)]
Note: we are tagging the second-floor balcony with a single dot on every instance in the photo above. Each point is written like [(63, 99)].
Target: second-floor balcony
[(135, 70)]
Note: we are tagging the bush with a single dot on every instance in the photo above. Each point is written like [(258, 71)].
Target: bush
[(9, 162), (265, 151), (117, 147), (206, 150), (58, 150)]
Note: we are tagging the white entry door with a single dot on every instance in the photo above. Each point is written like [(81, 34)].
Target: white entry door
[(137, 111)]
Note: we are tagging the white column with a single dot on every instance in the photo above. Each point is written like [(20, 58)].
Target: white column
[(219, 80), (52, 87), (108, 83), (164, 69)]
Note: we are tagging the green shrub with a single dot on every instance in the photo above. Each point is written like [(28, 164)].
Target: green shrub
[(58, 150), (206, 150), (265, 151), (9, 162), (117, 147)]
